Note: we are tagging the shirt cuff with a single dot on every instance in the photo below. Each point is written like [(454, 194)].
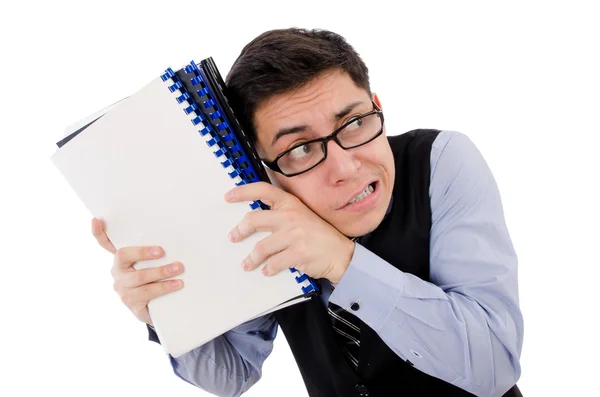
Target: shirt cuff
[(370, 288), (152, 336)]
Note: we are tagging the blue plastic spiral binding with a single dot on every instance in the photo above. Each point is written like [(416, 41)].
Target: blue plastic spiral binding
[(222, 124), (308, 284), (222, 140), (214, 140)]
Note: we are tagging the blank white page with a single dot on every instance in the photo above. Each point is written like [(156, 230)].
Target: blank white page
[(146, 171)]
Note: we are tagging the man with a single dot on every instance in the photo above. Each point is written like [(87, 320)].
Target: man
[(405, 235)]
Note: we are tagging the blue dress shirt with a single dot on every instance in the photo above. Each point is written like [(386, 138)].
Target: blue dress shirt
[(464, 326)]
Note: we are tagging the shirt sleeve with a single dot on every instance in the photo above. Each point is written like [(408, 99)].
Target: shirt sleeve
[(464, 326), (231, 363)]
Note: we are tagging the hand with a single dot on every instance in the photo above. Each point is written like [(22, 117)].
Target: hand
[(137, 287), (299, 237)]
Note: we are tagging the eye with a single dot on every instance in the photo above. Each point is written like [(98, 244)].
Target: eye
[(355, 124), (300, 152)]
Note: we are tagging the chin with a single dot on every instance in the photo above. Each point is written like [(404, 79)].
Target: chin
[(362, 224)]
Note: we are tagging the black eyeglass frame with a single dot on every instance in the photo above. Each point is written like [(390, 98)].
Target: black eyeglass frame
[(325, 140)]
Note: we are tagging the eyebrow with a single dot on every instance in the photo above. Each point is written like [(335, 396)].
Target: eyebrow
[(301, 128), (344, 112)]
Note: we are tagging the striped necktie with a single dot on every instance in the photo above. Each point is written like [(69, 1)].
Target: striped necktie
[(346, 329), (347, 332)]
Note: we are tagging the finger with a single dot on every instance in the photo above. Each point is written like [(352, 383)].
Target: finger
[(101, 237), (140, 296), (125, 257), (149, 275), (277, 263), (269, 194), (255, 221), (146, 293), (265, 249)]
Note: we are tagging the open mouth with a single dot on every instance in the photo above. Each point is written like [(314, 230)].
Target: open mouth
[(364, 194)]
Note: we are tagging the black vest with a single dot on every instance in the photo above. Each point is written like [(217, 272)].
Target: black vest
[(402, 239)]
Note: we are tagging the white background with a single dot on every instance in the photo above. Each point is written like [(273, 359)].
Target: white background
[(519, 78)]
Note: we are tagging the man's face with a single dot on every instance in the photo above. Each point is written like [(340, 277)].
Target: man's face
[(345, 174)]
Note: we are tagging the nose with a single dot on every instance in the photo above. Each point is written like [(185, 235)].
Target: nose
[(342, 164)]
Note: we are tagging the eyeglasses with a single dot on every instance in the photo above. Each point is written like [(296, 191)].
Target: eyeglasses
[(305, 156)]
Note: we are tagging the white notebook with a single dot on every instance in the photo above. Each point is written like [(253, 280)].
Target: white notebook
[(145, 169)]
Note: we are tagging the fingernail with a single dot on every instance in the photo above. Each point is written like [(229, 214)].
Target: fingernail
[(229, 195), (231, 236), (155, 251), (173, 268), (244, 265), (175, 284), (265, 271)]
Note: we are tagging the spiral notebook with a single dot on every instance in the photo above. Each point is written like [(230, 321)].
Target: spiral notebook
[(155, 167)]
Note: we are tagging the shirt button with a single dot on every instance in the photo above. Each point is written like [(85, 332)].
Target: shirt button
[(355, 306), (361, 390)]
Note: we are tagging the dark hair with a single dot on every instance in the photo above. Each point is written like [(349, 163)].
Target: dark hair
[(281, 60)]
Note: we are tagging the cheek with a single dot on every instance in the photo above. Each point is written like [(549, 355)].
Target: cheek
[(275, 178), (383, 154), (308, 190), (387, 161), (387, 157), (379, 155)]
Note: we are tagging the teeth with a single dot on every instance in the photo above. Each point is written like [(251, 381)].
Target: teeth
[(368, 190)]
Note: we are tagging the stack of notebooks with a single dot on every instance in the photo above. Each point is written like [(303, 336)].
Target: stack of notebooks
[(155, 167)]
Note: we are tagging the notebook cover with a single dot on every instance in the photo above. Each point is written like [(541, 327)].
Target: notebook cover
[(144, 169)]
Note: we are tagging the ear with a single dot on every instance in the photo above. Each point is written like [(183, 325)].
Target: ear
[(376, 100)]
